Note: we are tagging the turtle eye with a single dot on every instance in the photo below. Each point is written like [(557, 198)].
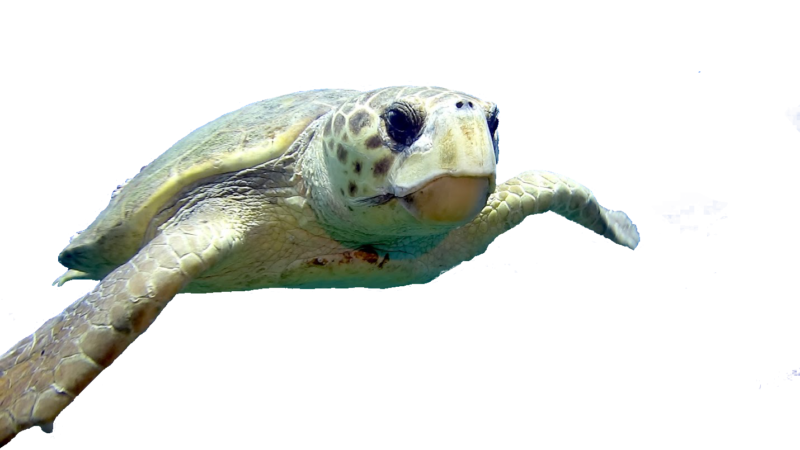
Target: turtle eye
[(403, 123), (493, 121), (399, 123)]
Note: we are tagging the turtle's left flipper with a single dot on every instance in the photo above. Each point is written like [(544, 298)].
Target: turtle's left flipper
[(531, 193), (565, 197), (620, 229), (540, 191)]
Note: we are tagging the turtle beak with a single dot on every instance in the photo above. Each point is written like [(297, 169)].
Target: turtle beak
[(448, 200), (449, 174)]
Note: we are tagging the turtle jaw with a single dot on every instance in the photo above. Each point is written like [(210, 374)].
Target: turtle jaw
[(448, 200)]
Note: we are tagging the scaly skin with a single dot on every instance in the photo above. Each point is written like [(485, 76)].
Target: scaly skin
[(44, 372), (539, 191)]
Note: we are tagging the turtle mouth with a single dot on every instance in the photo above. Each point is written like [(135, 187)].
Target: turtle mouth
[(376, 200), (448, 200), (443, 200)]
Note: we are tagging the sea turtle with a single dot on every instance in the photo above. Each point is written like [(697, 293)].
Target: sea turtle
[(325, 188)]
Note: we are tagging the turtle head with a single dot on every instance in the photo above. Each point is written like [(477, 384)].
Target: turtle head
[(406, 161)]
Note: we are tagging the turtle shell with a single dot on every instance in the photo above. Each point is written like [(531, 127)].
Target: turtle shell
[(252, 135)]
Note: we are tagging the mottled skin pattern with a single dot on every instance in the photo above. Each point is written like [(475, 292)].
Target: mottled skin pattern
[(376, 189)]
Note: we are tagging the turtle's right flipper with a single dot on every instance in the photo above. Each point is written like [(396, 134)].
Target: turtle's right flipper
[(44, 372)]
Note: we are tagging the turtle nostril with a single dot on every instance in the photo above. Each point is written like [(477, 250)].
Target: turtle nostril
[(460, 105)]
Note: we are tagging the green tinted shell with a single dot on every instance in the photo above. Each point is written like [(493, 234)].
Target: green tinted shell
[(255, 134)]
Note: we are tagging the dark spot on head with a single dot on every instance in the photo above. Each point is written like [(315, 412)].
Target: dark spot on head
[(341, 191), (359, 120), (338, 123), (345, 138), (382, 167), (327, 131), (349, 208), (352, 188), (341, 153), (373, 141), (358, 167)]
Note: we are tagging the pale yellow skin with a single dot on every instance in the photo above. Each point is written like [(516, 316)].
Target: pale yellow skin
[(324, 196)]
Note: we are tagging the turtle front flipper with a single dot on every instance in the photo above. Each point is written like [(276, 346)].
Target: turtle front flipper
[(536, 192), (44, 372), (529, 193)]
